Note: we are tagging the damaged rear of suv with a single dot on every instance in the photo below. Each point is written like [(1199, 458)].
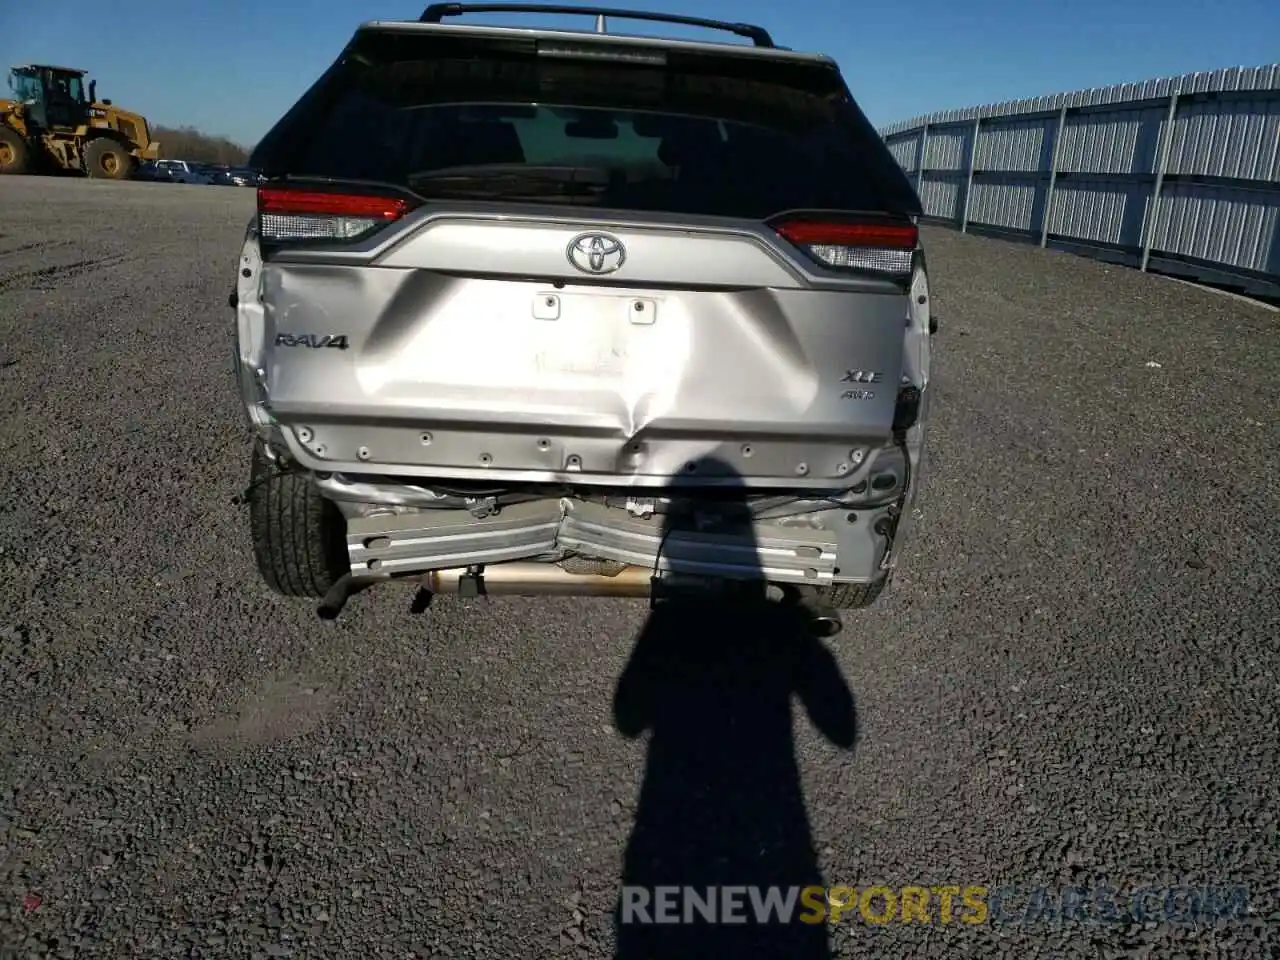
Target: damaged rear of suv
[(542, 311)]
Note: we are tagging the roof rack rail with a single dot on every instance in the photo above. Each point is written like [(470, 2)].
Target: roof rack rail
[(438, 11)]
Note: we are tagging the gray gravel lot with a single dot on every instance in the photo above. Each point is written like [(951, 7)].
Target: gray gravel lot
[(1073, 681)]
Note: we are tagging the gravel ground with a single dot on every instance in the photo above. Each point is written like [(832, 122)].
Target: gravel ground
[(1073, 682)]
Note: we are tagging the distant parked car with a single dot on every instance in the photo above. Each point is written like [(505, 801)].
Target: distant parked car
[(237, 177), (180, 171)]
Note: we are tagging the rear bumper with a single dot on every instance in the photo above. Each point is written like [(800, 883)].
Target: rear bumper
[(835, 545), (586, 453)]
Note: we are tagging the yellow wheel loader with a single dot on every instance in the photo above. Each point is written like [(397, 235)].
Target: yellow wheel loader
[(51, 123)]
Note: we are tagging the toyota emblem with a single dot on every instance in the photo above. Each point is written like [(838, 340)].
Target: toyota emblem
[(596, 253)]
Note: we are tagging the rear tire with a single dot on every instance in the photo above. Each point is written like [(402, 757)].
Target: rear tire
[(105, 159), (15, 155), (852, 596), (299, 537)]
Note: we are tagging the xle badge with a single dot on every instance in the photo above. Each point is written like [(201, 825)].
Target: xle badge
[(860, 376), (313, 340)]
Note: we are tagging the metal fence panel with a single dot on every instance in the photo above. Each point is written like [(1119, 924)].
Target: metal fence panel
[(940, 195), (947, 149), (1179, 172), (1005, 203), (1017, 146), (1099, 212), (1221, 225), (1121, 142)]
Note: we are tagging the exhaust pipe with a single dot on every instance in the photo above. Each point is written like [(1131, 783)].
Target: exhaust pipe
[(343, 589), (547, 579), (538, 580), (825, 622), (519, 578)]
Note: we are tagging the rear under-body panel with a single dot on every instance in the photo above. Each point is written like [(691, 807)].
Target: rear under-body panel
[(817, 548)]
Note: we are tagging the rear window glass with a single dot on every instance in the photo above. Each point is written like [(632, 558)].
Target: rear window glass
[(696, 135)]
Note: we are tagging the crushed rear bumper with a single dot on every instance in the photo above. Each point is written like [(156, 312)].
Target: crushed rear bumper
[(818, 548)]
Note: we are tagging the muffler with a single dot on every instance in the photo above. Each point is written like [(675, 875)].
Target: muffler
[(519, 578)]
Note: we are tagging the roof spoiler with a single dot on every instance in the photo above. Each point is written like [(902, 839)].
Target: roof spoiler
[(436, 12)]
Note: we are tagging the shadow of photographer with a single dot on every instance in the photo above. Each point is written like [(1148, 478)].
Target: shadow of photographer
[(712, 681)]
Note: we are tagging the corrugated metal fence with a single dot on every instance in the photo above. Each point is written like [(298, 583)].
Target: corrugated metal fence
[(1180, 175)]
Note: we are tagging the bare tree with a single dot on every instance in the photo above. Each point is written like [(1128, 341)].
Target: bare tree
[(188, 143)]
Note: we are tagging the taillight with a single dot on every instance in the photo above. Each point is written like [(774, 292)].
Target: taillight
[(885, 247), (289, 214)]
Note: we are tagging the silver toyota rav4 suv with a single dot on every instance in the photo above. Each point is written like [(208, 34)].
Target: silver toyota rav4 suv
[(558, 311)]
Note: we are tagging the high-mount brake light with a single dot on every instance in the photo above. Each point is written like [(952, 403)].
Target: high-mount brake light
[(869, 245), (600, 53), (285, 213)]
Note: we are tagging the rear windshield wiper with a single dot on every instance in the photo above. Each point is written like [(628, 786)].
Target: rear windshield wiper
[(507, 179), (477, 172)]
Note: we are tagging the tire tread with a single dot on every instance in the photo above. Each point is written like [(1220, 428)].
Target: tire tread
[(853, 596), (298, 540)]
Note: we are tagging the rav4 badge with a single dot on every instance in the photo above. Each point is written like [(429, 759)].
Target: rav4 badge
[(313, 340)]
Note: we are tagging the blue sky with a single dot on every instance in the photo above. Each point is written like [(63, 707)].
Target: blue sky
[(233, 66)]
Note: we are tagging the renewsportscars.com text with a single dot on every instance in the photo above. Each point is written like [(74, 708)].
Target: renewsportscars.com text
[(968, 904)]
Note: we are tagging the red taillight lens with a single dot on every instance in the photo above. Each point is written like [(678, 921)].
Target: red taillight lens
[(289, 214), (876, 246)]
